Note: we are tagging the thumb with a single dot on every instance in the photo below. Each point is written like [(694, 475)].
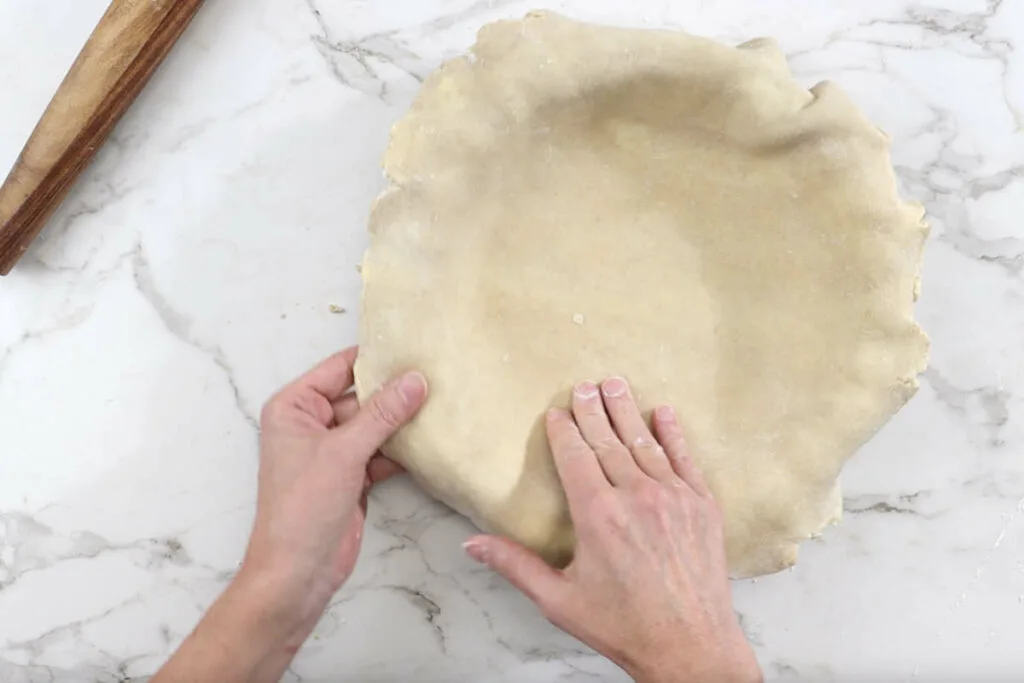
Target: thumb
[(520, 566), (384, 413)]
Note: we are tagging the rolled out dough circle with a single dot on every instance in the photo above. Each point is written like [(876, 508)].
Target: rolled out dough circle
[(571, 202)]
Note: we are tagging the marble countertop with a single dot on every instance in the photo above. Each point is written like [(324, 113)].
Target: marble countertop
[(207, 256)]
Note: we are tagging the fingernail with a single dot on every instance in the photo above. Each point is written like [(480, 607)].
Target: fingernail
[(412, 387), (586, 390), (476, 551), (614, 387), (664, 414)]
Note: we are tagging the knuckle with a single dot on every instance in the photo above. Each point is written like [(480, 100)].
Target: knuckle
[(609, 512), (654, 495), (677, 450), (604, 503), (614, 521), (607, 499), (639, 444), (384, 413), (664, 506), (680, 446), (646, 488), (619, 519), (608, 444), (647, 446), (574, 450), (272, 409)]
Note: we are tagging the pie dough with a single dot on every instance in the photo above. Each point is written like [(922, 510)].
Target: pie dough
[(572, 202)]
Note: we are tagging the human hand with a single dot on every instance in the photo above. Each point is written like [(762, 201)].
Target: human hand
[(648, 586), (318, 459)]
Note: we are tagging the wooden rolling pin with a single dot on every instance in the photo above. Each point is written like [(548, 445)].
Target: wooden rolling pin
[(130, 42)]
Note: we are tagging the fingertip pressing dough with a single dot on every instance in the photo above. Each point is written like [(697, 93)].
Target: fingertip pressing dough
[(571, 202)]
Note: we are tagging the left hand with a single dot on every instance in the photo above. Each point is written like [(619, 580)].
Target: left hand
[(318, 459)]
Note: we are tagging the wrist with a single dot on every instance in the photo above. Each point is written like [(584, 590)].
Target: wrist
[(279, 608), (730, 664), (250, 634), (728, 673)]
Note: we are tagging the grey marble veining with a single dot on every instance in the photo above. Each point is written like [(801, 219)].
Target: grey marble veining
[(195, 268)]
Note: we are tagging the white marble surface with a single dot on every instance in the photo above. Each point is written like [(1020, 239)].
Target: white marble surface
[(194, 269)]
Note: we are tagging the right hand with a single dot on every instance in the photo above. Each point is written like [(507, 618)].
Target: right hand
[(648, 586)]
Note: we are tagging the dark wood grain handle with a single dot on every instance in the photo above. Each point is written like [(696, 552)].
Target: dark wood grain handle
[(130, 42)]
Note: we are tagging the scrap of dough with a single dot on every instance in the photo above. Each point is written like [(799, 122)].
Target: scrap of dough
[(571, 202)]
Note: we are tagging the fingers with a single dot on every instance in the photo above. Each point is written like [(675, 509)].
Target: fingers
[(632, 429), (521, 567), (332, 377), (670, 435), (345, 408), (390, 408), (578, 468), (597, 431), (381, 468), (377, 470), (308, 400)]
